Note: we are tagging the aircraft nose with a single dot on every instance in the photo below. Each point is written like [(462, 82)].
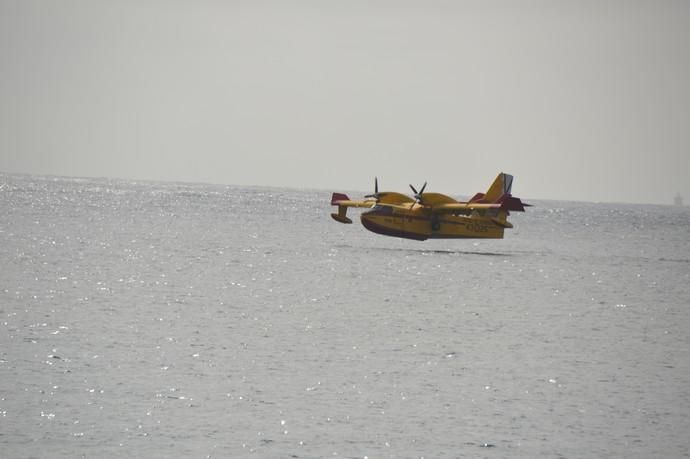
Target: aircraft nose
[(368, 223)]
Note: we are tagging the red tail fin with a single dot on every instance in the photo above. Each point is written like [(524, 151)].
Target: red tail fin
[(499, 192)]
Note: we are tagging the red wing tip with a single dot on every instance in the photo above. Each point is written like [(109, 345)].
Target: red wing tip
[(338, 197)]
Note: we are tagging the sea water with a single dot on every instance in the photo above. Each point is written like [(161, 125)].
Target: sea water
[(187, 320)]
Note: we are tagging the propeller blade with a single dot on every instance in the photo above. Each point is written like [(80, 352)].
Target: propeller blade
[(418, 194), (376, 190)]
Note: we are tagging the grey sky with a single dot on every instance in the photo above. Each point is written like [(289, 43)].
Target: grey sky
[(581, 100)]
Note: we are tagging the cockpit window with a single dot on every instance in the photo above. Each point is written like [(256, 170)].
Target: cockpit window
[(382, 210)]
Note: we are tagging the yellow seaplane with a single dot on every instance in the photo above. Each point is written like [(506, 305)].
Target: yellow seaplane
[(435, 215)]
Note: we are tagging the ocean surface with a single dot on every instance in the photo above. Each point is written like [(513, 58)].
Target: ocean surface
[(161, 320)]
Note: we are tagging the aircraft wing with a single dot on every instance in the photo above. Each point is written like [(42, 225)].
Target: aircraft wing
[(462, 207), (386, 198), (343, 202), (498, 216), (506, 202), (339, 199), (354, 203)]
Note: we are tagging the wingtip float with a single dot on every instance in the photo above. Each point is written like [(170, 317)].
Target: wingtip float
[(435, 215)]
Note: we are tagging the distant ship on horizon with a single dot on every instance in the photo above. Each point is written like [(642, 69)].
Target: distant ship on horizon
[(678, 199)]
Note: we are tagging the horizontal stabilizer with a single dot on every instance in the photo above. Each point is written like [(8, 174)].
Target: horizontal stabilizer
[(509, 202)]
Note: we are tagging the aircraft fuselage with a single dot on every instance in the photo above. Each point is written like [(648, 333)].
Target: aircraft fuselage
[(420, 224)]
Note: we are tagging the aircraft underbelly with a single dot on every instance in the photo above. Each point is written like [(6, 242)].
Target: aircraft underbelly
[(393, 226), (422, 228), (453, 227)]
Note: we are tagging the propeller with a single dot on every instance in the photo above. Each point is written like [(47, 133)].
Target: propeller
[(376, 190), (418, 194)]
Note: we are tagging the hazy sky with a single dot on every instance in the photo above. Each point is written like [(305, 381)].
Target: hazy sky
[(580, 100)]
